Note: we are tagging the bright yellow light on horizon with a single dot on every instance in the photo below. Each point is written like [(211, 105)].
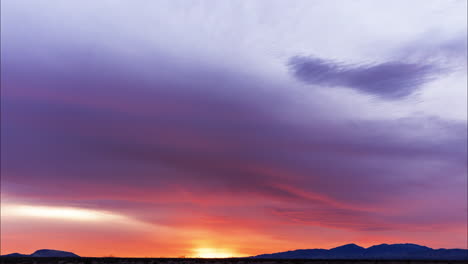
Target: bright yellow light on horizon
[(212, 253)]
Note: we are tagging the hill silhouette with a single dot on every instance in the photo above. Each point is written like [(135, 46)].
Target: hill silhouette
[(45, 253), (383, 251)]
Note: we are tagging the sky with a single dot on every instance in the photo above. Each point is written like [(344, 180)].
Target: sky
[(137, 128)]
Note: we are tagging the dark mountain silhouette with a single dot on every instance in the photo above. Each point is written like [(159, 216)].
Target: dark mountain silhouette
[(15, 255), (45, 253), (383, 251), (348, 250)]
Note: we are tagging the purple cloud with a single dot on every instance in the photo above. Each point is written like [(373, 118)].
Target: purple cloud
[(105, 128), (389, 80), (214, 135)]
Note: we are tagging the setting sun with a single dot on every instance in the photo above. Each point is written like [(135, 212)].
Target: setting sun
[(213, 253)]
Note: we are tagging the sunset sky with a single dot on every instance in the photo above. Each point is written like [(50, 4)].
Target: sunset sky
[(168, 128)]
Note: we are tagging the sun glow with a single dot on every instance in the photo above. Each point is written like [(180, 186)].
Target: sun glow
[(212, 253)]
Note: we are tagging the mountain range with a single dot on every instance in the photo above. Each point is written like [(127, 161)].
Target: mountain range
[(349, 251), (383, 251), (45, 253)]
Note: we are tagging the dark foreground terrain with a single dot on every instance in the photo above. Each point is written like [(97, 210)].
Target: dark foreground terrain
[(43, 260)]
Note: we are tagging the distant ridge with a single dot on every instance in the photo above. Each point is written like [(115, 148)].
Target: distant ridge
[(15, 255), (45, 253), (383, 251)]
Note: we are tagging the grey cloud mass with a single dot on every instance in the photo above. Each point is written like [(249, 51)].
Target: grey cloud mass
[(389, 80)]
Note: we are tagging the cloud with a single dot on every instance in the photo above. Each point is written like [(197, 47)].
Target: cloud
[(389, 80), (196, 144), (207, 142), (211, 138)]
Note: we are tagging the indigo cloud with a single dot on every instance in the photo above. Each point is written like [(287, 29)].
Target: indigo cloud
[(389, 80)]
